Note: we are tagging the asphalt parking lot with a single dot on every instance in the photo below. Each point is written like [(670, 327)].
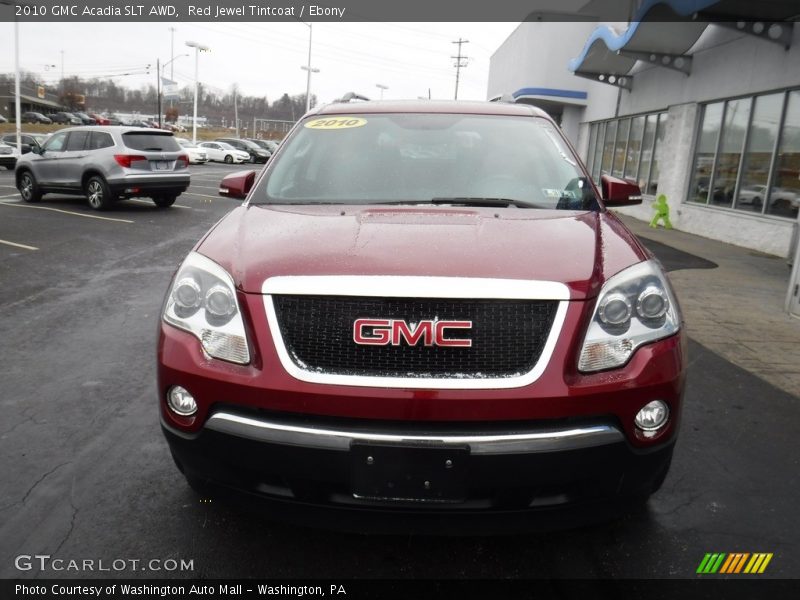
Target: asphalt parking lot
[(87, 475)]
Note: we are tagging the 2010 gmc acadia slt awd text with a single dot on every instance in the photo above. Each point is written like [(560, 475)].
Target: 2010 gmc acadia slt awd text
[(423, 314)]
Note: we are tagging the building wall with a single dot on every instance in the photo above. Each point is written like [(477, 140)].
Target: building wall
[(726, 64), (536, 55)]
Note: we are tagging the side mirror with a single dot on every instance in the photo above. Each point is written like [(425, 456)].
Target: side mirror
[(237, 185), (619, 192), (24, 148)]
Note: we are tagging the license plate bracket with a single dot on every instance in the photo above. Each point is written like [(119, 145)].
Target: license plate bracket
[(161, 165), (413, 473)]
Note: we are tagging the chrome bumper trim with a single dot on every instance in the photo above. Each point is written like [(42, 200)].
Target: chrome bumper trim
[(544, 440)]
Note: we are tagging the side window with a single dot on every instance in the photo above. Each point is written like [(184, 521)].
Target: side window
[(98, 140), (56, 143), (77, 140)]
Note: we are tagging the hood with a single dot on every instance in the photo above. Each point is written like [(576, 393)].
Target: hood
[(579, 249)]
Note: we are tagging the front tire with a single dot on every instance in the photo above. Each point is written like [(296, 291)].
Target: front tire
[(28, 188), (165, 200), (98, 193), (228, 159)]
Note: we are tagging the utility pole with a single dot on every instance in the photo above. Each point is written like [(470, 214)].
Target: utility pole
[(235, 112), (158, 89), (62, 72), (461, 62), (172, 53)]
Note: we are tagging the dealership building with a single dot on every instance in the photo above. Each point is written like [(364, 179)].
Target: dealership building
[(696, 100)]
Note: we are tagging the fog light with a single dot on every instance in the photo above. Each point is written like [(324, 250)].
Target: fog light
[(181, 401), (653, 416)]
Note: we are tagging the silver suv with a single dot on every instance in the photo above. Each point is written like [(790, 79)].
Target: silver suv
[(106, 164)]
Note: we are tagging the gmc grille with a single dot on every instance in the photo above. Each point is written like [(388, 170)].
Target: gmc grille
[(508, 336)]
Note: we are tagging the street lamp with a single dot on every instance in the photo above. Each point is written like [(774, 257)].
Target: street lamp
[(198, 48), (381, 87), (159, 68), (308, 84), (308, 67)]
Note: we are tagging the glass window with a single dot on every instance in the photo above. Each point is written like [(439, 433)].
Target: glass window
[(634, 147), (608, 147), (592, 142), (784, 197), (647, 150), (706, 150), (56, 143), (99, 140), (652, 185), (77, 140), (150, 141), (621, 147), (598, 151), (737, 114), (412, 158), (758, 155)]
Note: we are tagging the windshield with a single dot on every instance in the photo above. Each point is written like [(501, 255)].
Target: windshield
[(427, 158), (186, 143)]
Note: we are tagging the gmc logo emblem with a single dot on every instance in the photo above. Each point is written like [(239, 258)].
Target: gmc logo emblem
[(383, 332)]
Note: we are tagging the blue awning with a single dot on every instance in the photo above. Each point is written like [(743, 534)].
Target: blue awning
[(663, 31)]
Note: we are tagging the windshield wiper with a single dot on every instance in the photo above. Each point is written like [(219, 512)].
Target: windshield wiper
[(479, 201)]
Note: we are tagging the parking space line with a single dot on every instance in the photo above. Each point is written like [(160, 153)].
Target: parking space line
[(203, 195), (66, 212), (151, 204), (206, 187), (16, 245), (10, 196)]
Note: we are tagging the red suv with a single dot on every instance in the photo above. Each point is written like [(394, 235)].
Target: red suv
[(424, 311)]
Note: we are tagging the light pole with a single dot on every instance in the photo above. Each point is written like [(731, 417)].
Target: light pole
[(308, 84), (159, 70), (198, 48), (381, 87), (308, 67)]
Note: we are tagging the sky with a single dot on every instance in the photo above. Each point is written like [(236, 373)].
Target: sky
[(264, 59)]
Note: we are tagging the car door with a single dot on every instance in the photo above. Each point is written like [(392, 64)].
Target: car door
[(46, 167), (70, 167), (214, 152)]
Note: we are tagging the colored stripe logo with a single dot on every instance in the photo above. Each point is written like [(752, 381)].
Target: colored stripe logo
[(734, 563)]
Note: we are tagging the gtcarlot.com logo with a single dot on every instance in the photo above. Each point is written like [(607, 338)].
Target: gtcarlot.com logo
[(734, 563), (45, 562)]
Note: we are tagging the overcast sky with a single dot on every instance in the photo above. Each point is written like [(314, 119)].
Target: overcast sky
[(265, 58)]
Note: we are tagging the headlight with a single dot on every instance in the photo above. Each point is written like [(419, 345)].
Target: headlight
[(202, 301), (635, 307)]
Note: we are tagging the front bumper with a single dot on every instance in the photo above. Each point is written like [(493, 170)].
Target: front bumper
[(538, 475)]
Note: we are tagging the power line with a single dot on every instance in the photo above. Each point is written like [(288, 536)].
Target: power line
[(461, 61)]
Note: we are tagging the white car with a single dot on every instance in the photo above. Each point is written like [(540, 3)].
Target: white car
[(8, 156), (223, 152), (197, 155)]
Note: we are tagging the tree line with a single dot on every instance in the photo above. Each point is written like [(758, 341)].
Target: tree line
[(104, 95)]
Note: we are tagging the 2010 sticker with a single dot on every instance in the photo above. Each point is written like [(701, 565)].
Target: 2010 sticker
[(336, 123)]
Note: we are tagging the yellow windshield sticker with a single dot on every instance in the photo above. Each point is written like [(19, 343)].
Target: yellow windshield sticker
[(336, 123)]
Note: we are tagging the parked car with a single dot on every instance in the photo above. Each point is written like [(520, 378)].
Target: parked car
[(8, 156), (115, 120), (424, 315), (756, 194), (86, 119), (65, 118), (197, 155), (35, 117), (256, 153), (30, 141), (106, 164), (101, 120), (267, 145), (3, 119), (223, 152)]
